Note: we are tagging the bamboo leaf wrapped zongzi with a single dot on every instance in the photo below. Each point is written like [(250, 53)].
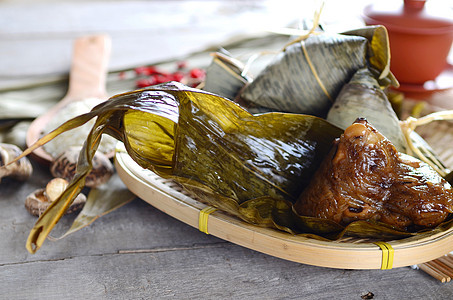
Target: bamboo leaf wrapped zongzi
[(256, 167), (365, 178), (253, 167), (362, 97), (307, 76)]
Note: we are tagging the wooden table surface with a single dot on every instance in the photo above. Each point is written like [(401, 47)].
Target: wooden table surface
[(138, 252)]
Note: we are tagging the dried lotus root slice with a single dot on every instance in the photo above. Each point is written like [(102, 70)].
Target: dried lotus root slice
[(365, 178)]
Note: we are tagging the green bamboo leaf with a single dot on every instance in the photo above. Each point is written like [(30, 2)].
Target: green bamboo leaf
[(101, 201), (208, 144), (56, 210), (362, 97), (307, 76), (252, 166), (378, 54)]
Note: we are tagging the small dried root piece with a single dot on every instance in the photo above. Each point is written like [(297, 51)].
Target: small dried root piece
[(38, 201), (20, 170), (64, 166), (409, 125)]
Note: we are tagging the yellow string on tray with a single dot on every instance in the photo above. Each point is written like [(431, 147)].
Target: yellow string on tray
[(387, 255), (203, 218)]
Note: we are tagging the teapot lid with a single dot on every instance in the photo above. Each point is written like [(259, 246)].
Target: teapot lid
[(418, 16)]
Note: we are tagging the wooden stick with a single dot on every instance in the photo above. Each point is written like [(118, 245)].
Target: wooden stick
[(435, 264), (446, 261), (434, 273), (449, 257)]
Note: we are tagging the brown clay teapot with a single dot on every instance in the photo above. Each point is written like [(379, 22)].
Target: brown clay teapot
[(420, 36)]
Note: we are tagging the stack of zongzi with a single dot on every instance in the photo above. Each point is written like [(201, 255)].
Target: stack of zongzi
[(256, 166)]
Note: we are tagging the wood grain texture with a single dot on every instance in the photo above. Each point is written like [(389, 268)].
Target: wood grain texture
[(87, 79), (138, 252), (142, 32), (209, 272)]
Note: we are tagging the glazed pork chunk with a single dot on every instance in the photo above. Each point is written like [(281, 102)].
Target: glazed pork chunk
[(365, 178)]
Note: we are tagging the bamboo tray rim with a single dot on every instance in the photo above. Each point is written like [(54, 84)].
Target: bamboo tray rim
[(166, 196)]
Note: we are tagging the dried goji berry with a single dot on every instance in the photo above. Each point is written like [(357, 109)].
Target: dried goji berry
[(160, 78), (197, 73), (181, 65), (141, 70), (151, 70), (144, 82), (122, 75), (177, 76)]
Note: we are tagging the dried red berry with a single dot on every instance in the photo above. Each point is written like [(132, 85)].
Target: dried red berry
[(182, 65), (177, 76), (144, 82), (151, 70), (122, 75), (141, 70), (156, 76), (197, 73), (159, 78)]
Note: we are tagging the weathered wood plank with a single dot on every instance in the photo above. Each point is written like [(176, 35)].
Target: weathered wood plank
[(41, 34), (135, 226), (36, 37), (137, 251), (217, 271)]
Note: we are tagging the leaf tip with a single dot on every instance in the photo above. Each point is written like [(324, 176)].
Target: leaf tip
[(35, 240)]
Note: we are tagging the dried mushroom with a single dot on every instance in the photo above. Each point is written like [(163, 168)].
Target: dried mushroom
[(20, 170), (38, 201), (64, 166), (55, 188)]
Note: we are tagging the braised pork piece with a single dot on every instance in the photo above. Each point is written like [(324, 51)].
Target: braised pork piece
[(365, 178)]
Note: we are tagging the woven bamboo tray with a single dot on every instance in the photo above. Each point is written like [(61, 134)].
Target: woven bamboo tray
[(347, 253)]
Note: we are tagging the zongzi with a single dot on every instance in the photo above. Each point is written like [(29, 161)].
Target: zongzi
[(365, 178), (362, 97), (302, 78), (307, 76), (247, 165)]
